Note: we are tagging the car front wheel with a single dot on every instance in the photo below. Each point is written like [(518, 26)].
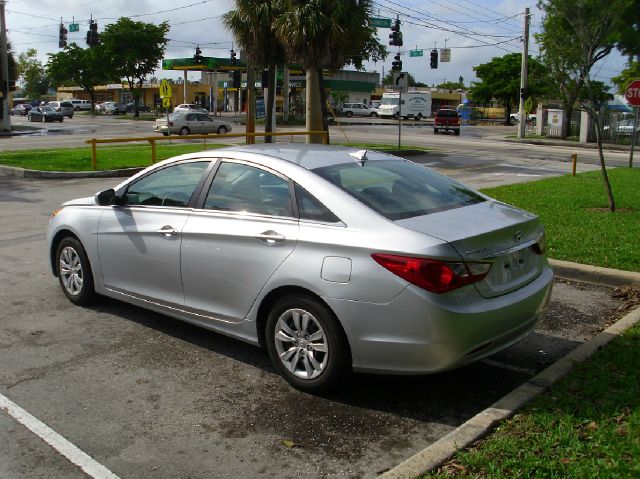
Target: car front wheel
[(74, 272), (222, 130), (184, 131), (306, 344)]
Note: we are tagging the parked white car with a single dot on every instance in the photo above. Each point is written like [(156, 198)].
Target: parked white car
[(80, 105), (186, 123), (357, 109), (190, 107)]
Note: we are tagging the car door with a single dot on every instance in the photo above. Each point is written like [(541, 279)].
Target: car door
[(241, 233), (139, 241), (205, 124)]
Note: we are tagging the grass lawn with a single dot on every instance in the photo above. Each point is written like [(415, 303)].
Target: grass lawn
[(578, 224), (109, 157), (586, 426)]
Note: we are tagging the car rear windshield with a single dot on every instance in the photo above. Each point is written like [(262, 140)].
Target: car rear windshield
[(447, 113), (399, 189)]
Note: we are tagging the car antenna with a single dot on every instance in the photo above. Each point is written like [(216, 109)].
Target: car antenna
[(360, 156)]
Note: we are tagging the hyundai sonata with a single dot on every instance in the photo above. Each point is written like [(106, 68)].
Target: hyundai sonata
[(334, 260)]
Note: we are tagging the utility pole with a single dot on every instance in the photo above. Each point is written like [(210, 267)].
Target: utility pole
[(524, 72), (4, 66)]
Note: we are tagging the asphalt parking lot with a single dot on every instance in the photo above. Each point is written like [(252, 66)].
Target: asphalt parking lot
[(149, 396)]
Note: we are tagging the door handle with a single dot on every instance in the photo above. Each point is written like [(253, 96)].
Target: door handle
[(167, 231), (271, 237)]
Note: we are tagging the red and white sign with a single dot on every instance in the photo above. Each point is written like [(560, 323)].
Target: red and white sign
[(632, 93)]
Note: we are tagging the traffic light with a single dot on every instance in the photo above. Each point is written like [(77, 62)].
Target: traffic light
[(396, 64), (233, 56), (197, 58), (434, 58), (92, 34), (237, 79), (395, 37), (62, 39)]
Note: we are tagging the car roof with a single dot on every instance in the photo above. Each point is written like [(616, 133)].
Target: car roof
[(309, 156)]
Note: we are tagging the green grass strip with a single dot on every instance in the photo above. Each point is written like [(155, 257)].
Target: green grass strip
[(109, 157), (586, 426), (574, 212)]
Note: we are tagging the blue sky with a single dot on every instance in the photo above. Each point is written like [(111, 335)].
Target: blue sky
[(475, 30)]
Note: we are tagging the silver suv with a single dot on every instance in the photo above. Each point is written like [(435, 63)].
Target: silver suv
[(84, 105), (64, 107), (357, 109)]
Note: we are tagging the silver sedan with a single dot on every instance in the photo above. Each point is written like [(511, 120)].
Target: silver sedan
[(334, 260), (190, 122)]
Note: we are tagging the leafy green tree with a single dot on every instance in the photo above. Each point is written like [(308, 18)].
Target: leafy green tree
[(252, 25), (32, 74), (83, 67), (326, 34), (500, 79), (632, 72), (135, 49), (450, 85), (576, 34)]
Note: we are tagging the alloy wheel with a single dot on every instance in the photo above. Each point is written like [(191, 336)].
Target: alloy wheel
[(301, 343), (71, 271)]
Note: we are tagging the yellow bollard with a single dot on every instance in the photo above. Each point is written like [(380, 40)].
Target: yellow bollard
[(574, 159), (94, 155)]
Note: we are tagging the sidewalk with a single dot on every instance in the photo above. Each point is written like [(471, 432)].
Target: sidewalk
[(567, 143)]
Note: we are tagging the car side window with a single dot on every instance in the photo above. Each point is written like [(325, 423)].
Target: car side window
[(246, 189), (171, 186), (203, 117), (310, 208), (190, 117)]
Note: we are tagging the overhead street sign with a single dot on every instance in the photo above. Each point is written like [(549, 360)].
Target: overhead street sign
[(74, 27), (380, 22), (415, 53), (165, 89), (632, 93)]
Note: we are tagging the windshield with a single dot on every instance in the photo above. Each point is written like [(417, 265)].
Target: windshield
[(399, 189), (390, 100)]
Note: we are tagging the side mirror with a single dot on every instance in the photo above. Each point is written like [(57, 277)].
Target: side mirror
[(106, 197)]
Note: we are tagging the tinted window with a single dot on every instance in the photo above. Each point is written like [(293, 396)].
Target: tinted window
[(447, 114), (399, 189), (66, 104), (202, 117), (310, 208), (190, 117), (246, 189), (171, 186)]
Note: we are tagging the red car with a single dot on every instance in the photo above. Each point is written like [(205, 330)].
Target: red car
[(447, 120)]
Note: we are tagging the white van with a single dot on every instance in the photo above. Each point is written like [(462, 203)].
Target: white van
[(80, 105), (416, 104)]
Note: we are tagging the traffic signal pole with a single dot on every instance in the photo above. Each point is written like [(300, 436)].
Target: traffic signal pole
[(4, 66)]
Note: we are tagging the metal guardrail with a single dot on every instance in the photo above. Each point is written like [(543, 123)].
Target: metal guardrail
[(153, 139)]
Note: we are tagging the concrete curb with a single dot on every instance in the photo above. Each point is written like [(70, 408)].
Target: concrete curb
[(58, 175), (594, 274), (568, 144), (482, 423)]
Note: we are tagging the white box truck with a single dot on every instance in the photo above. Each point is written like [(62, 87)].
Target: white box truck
[(415, 104)]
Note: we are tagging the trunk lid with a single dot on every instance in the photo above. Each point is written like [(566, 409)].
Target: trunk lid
[(489, 232)]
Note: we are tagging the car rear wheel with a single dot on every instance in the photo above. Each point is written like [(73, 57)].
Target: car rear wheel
[(74, 272), (222, 130), (306, 345), (348, 114), (456, 132), (184, 131)]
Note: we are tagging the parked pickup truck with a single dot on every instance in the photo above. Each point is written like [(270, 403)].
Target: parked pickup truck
[(446, 120)]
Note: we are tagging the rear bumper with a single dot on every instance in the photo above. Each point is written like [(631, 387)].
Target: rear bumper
[(419, 332)]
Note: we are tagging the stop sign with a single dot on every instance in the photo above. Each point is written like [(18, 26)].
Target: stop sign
[(632, 93)]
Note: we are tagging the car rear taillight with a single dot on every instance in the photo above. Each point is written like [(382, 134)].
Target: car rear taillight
[(431, 274)]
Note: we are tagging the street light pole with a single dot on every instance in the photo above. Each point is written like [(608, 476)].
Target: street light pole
[(4, 66), (522, 117)]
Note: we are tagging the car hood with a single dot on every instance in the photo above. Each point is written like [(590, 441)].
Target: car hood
[(88, 201)]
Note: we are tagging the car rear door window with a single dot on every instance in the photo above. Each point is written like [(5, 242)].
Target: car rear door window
[(245, 189), (172, 186)]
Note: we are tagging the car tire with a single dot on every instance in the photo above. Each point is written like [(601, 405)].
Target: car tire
[(373, 114), (74, 272), (396, 116), (456, 132), (222, 130), (184, 131), (319, 357), (165, 133), (419, 117), (435, 131), (77, 108), (348, 114)]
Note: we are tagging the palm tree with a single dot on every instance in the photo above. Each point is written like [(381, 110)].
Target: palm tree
[(252, 26), (326, 34)]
